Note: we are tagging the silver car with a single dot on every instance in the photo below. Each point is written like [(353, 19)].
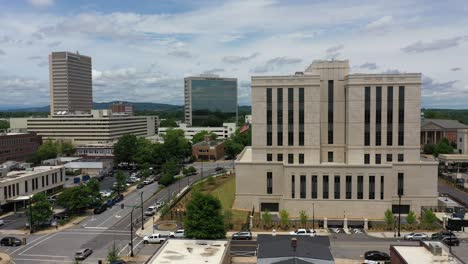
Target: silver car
[(416, 236), (83, 253)]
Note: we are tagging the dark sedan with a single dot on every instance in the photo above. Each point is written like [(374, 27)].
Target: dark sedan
[(376, 256), (243, 235), (10, 242)]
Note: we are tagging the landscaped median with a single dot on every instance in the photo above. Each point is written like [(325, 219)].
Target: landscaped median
[(5, 258)]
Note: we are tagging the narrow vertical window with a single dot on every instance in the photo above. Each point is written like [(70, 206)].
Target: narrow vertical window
[(371, 187), (279, 157), (314, 187), (269, 182), (303, 187), (349, 186), (337, 188), (290, 158), (17, 189), (43, 182), (14, 190), (360, 187), (301, 158), (61, 176), (26, 186), (401, 116), (378, 159), (389, 115), (401, 183), (389, 157), (290, 116), (382, 187), (301, 116), (366, 158), (279, 115), (378, 116), (269, 117), (330, 111), (293, 187), (325, 187), (47, 180), (269, 157), (330, 156), (367, 103), (33, 186), (401, 157)]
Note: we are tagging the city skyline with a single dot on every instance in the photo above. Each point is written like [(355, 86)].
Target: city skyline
[(142, 53)]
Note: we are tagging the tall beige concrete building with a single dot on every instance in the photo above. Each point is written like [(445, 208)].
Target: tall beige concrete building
[(343, 144), (70, 83)]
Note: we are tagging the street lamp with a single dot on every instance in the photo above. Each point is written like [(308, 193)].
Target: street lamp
[(142, 222), (399, 213), (313, 217), (131, 232), (30, 216)]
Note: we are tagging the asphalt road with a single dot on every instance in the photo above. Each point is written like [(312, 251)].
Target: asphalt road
[(98, 232), (453, 192)]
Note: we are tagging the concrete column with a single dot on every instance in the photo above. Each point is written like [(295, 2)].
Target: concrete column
[(366, 224), (345, 223), (325, 224)]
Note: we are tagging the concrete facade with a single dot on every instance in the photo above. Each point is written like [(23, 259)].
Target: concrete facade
[(462, 141), (71, 87), (222, 132), (329, 132)]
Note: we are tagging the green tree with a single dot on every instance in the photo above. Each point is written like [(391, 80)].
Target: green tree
[(389, 218), (176, 145), (121, 181), (284, 217), (266, 217), (411, 217), (125, 148), (192, 169), (429, 148), (303, 218), (204, 218), (200, 136), (169, 122), (76, 198), (48, 150), (41, 209), (169, 170), (4, 124), (232, 148), (144, 152), (93, 187), (67, 149), (113, 254), (444, 147), (429, 217)]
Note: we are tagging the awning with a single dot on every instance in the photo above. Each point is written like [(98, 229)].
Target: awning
[(20, 198)]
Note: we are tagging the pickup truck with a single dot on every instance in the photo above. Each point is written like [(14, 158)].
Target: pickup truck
[(154, 238), (303, 232)]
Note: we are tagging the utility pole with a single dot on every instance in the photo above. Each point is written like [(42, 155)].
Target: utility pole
[(142, 222), (399, 213), (313, 217), (30, 216), (131, 232)]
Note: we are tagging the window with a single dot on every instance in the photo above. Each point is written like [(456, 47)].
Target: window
[(47, 180), (382, 187), (279, 157), (269, 182), (301, 158), (43, 182), (367, 95), (330, 156), (33, 186), (401, 116), (389, 115), (378, 116), (5, 193), (14, 190), (290, 158), (314, 187), (360, 187), (366, 158), (293, 187), (378, 159), (330, 110), (61, 176), (37, 183), (401, 183), (303, 187), (372, 187), (301, 116), (290, 116), (279, 115), (325, 187), (269, 117), (9, 191), (401, 157), (389, 157), (349, 185), (337, 187), (269, 157), (26, 186)]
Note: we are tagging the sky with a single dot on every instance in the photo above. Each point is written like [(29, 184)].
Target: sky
[(142, 50)]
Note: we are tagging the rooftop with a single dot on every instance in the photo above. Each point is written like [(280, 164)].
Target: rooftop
[(183, 251), (84, 165), (12, 175), (422, 254), (444, 123), (211, 143)]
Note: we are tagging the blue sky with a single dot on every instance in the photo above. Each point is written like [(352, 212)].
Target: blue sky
[(142, 50)]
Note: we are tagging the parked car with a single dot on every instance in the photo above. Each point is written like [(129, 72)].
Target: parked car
[(52, 199), (146, 182), (180, 233), (440, 235), (243, 235), (2, 222), (302, 232), (110, 202), (376, 256), (159, 204), (120, 261), (118, 198), (150, 211), (140, 185), (450, 241), (154, 238), (105, 193), (83, 253), (100, 209), (416, 236), (157, 177), (61, 216), (11, 242), (219, 168)]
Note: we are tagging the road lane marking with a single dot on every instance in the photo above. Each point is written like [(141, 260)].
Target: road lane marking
[(39, 243), (28, 243), (110, 218), (46, 256), (126, 247), (96, 227)]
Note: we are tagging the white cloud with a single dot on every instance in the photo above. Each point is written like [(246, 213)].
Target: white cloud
[(41, 3), (380, 23)]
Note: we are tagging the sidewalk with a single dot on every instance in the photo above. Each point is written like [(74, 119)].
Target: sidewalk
[(50, 230), (461, 234), (5, 258)]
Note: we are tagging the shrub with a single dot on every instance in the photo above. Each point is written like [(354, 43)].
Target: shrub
[(266, 217), (411, 218), (303, 218), (284, 217), (389, 218)]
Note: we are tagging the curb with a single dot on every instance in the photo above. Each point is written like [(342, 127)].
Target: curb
[(5, 258)]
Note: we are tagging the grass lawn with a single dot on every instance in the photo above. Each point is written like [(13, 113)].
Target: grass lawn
[(226, 192)]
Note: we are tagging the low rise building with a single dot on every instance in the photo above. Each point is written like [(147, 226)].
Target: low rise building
[(222, 132), (208, 149), (101, 126), (91, 168), (18, 146), (122, 107), (425, 252), (19, 186), (97, 150), (462, 142), (434, 130)]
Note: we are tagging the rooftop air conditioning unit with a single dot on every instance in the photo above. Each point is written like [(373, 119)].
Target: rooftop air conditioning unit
[(436, 250)]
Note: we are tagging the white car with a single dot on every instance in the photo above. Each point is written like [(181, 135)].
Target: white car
[(416, 236), (303, 232), (105, 193), (150, 211), (146, 182), (158, 205), (154, 238), (180, 233), (2, 222)]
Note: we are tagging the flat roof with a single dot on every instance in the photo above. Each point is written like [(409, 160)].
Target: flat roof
[(84, 165), (12, 175), (183, 251), (454, 157), (421, 254)]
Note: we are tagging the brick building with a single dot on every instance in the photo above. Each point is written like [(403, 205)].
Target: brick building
[(18, 146), (208, 149)]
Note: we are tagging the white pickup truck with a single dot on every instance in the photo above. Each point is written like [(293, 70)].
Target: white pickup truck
[(303, 232), (154, 239)]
